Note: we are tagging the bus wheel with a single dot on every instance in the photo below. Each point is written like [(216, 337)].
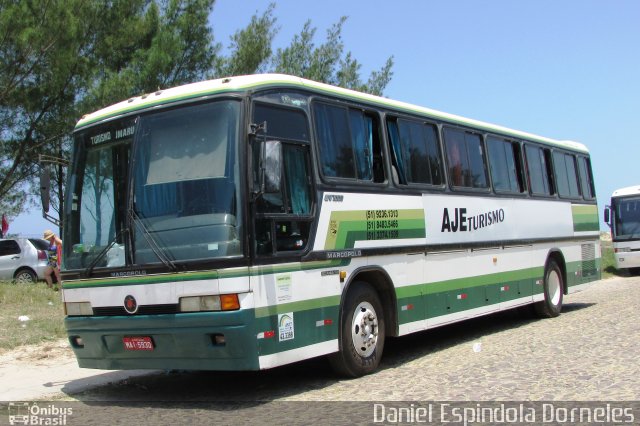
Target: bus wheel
[(553, 291), (362, 333)]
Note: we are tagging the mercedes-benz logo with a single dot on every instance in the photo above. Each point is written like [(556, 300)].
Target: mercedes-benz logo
[(130, 304)]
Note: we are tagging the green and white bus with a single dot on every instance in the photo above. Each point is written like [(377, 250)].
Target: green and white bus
[(623, 217), (254, 221)]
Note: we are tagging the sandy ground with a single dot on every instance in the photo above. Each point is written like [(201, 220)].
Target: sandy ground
[(50, 371)]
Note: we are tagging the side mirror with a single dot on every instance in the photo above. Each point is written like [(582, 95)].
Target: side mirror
[(272, 162), (45, 187), (607, 215)]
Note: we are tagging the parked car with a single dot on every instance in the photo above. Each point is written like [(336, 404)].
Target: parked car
[(23, 260)]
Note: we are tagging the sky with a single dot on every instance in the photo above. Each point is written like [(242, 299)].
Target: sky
[(568, 70)]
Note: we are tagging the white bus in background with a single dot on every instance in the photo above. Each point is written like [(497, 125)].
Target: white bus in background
[(623, 216)]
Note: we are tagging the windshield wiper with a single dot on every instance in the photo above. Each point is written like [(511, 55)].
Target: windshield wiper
[(157, 250), (89, 269)]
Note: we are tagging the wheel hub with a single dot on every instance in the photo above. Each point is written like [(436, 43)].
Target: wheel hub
[(364, 329)]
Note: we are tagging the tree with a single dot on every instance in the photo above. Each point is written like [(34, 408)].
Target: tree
[(60, 60), (327, 63), (42, 67), (250, 47), (156, 46)]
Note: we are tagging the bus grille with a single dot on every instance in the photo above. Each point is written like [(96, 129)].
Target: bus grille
[(589, 260), (110, 311)]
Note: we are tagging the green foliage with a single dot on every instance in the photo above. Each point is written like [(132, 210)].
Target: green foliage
[(41, 71), (146, 46), (60, 60), (608, 261), (250, 47), (328, 63)]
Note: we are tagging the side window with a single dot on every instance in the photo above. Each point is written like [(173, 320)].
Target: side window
[(283, 219), (564, 166), (349, 143), (506, 165), (539, 170), (9, 247), (586, 178), (465, 158), (416, 152)]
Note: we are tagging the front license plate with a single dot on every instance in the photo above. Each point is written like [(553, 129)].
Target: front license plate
[(142, 343)]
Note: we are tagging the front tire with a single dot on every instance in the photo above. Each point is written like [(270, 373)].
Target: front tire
[(362, 332), (551, 306)]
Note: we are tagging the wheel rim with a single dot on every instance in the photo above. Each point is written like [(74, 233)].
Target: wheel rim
[(24, 278), (554, 287), (364, 329)]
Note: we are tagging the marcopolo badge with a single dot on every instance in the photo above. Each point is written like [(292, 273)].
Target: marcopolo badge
[(130, 304)]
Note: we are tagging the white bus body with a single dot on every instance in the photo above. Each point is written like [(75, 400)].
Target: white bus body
[(623, 216)]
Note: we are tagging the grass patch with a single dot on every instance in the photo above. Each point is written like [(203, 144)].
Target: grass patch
[(609, 262), (42, 305)]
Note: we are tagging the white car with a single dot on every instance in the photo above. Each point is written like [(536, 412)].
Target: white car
[(23, 260)]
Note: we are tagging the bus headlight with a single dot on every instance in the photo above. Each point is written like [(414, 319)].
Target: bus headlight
[(78, 308), (199, 303), (622, 249), (224, 302)]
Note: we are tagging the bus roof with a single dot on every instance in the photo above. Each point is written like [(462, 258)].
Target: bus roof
[(629, 190), (263, 81)]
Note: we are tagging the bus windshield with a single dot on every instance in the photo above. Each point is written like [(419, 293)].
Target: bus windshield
[(626, 218), (158, 188)]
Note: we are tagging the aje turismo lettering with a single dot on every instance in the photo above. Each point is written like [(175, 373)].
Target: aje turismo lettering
[(461, 223)]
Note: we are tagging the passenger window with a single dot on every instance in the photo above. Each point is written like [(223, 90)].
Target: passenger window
[(416, 152), (465, 157), (586, 178), (505, 165), (349, 143), (539, 170), (564, 166)]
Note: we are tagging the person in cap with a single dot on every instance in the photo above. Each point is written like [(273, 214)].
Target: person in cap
[(55, 258)]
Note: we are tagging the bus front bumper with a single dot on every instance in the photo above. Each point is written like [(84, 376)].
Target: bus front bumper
[(627, 259), (187, 341)]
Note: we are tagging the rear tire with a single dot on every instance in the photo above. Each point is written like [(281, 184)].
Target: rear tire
[(634, 272), (25, 276), (551, 306), (362, 333)]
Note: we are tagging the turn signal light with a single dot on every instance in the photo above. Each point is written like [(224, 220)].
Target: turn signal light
[(229, 302)]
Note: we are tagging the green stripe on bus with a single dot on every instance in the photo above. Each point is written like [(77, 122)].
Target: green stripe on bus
[(206, 275), (302, 305), (347, 227), (468, 282), (585, 218), (310, 326)]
